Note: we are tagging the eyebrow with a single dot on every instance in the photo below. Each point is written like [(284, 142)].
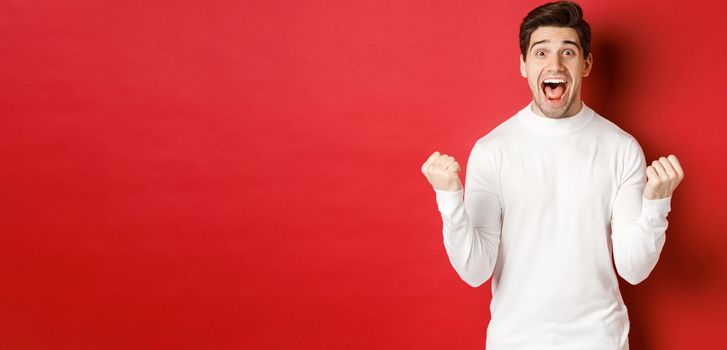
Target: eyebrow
[(547, 41)]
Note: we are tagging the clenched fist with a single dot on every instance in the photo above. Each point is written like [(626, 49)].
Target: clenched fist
[(663, 176), (442, 171)]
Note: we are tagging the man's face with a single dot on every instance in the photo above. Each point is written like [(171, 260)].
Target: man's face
[(555, 67)]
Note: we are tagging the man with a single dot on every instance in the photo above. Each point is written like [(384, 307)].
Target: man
[(551, 194)]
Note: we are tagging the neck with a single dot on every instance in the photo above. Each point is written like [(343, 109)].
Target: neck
[(572, 110), (554, 126)]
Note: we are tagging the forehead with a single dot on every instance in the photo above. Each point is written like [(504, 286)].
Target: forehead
[(554, 35)]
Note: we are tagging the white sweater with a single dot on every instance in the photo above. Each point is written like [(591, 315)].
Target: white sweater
[(547, 202)]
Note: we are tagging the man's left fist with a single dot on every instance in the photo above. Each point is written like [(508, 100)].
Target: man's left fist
[(663, 176)]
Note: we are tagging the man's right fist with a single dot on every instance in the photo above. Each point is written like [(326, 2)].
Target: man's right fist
[(442, 171)]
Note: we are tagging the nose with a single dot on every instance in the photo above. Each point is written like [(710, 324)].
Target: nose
[(555, 63)]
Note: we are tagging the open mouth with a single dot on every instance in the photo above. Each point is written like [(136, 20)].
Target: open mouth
[(554, 89)]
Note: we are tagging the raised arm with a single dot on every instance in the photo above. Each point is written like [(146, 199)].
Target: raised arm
[(638, 221), (471, 227)]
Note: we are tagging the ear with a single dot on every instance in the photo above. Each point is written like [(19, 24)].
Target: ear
[(523, 72), (589, 65)]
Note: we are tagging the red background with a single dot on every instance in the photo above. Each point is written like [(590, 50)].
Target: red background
[(228, 175)]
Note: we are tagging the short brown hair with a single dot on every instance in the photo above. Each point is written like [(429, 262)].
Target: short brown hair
[(556, 14)]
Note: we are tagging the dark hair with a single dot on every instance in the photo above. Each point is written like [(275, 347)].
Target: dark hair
[(556, 14)]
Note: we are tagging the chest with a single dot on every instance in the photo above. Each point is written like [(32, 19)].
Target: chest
[(577, 175)]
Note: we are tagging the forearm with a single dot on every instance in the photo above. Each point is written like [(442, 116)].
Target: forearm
[(472, 250), (637, 247)]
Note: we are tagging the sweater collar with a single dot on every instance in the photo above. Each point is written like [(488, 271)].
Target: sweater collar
[(553, 126)]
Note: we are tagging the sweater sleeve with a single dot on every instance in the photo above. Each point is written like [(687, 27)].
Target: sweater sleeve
[(638, 224), (471, 227)]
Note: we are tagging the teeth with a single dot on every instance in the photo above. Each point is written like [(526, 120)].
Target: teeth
[(554, 81)]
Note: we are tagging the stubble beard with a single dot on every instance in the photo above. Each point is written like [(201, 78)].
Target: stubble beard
[(557, 113)]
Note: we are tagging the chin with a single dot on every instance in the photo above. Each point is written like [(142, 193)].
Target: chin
[(554, 112)]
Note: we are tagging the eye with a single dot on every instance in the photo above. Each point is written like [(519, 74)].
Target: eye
[(568, 52), (539, 53)]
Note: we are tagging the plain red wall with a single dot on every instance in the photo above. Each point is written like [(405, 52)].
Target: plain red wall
[(245, 175)]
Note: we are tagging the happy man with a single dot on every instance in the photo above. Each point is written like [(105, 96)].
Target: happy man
[(551, 194)]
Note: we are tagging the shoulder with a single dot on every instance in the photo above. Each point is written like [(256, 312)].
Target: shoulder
[(500, 135), (612, 132), (626, 147), (489, 150)]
